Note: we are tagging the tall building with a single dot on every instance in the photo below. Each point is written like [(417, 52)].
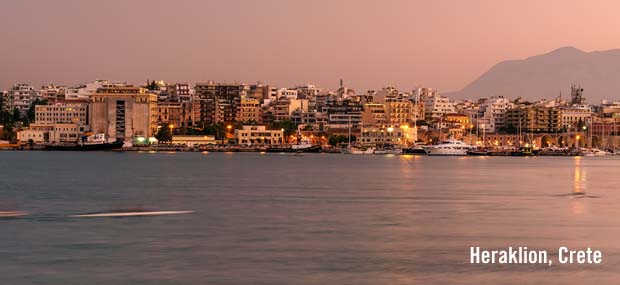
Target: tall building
[(122, 113), (179, 92), (399, 112), (250, 110), (21, 97), (534, 118), (374, 115), (219, 101), (436, 106), (492, 113)]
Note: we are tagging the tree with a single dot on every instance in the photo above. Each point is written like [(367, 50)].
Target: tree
[(164, 134), (334, 140), (32, 109), (9, 134), (289, 127), (17, 116)]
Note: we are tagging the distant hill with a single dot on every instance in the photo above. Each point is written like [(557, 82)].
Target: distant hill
[(546, 75)]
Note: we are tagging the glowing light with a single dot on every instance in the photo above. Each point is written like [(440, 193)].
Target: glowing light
[(390, 129), (171, 126)]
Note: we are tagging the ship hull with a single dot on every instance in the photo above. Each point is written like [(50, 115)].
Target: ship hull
[(86, 147)]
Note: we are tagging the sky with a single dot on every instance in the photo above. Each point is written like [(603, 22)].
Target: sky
[(369, 44)]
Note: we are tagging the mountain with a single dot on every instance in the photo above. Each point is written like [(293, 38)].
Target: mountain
[(546, 75)]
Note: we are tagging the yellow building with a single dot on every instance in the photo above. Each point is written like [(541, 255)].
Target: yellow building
[(122, 113), (402, 135), (250, 111), (191, 141), (258, 135)]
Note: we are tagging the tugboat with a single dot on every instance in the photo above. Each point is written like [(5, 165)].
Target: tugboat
[(89, 143)]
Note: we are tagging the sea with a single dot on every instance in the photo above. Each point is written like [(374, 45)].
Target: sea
[(270, 218)]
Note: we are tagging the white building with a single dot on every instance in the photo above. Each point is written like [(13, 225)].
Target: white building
[(51, 92), (491, 113), (50, 133), (287, 93), (571, 116), (308, 91), (437, 105), (21, 97), (83, 92)]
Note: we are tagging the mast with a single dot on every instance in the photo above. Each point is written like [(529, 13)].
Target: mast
[(349, 130)]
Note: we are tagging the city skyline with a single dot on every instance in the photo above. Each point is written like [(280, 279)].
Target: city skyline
[(407, 44)]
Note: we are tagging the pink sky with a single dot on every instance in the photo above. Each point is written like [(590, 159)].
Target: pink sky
[(369, 44)]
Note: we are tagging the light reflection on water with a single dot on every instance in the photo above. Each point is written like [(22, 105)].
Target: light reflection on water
[(316, 219)]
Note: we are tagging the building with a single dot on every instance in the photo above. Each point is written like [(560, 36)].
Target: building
[(177, 114), (219, 102), (374, 115), (399, 112), (21, 96), (122, 113), (51, 93), (249, 135), (250, 110), (192, 141), (436, 106), (575, 115), (401, 136), (62, 112), (492, 113), (179, 92), (51, 133), (534, 118)]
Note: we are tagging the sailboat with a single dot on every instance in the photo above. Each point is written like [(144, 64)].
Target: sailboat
[(356, 150)]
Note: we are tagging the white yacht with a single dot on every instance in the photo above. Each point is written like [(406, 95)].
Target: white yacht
[(449, 147)]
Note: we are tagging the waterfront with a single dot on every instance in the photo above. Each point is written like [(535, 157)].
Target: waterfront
[(309, 219)]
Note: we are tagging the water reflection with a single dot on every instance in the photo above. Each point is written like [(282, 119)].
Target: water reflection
[(579, 180)]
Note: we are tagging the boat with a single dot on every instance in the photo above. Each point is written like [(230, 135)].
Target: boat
[(358, 150), (90, 143), (593, 152), (478, 152), (523, 151), (448, 147), (388, 149), (416, 149), (296, 148), (12, 214), (129, 213)]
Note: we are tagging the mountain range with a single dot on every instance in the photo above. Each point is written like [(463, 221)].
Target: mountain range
[(550, 75)]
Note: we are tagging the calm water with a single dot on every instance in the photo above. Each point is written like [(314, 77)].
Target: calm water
[(312, 219)]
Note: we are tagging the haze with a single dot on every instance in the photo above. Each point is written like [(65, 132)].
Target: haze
[(369, 44)]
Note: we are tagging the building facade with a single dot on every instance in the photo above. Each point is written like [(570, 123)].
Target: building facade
[(122, 113), (249, 135), (62, 112)]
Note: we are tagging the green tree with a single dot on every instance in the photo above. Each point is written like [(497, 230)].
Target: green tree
[(17, 116), (335, 140), (32, 109), (9, 134), (289, 127), (164, 134)]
